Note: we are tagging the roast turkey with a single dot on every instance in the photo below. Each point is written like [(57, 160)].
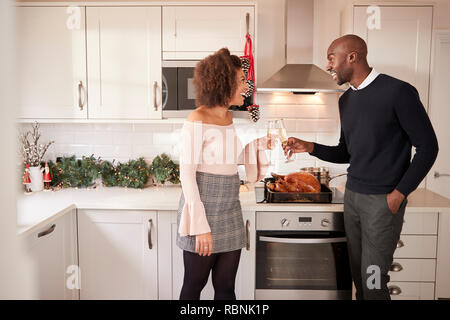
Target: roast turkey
[(295, 182)]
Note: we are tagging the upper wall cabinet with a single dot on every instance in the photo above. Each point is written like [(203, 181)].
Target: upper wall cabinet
[(399, 41), (197, 31), (51, 62), (124, 62)]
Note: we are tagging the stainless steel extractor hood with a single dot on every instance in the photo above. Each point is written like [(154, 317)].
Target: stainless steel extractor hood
[(300, 78)]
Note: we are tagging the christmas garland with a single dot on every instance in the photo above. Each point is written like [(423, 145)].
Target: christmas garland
[(164, 169), (71, 172), (133, 174)]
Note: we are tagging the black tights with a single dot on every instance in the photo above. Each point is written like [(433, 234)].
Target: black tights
[(224, 267)]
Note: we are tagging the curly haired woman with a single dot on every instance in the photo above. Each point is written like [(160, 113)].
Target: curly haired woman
[(211, 229)]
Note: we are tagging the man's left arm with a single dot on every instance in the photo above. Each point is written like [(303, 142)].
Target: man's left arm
[(415, 122)]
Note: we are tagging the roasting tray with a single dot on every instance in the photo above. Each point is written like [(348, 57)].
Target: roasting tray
[(324, 196)]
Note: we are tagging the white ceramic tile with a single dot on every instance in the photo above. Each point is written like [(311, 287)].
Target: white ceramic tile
[(165, 138), (152, 127), (141, 138), (99, 137), (316, 125), (328, 138), (149, 151)]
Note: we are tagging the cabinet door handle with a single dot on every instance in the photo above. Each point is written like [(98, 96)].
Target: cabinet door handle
[(80, 102), (394, 290), (247, 230), (400, 244), (150, 226), (396, 267), (247, 23), (46, 232), (155, 104), (437, 174)]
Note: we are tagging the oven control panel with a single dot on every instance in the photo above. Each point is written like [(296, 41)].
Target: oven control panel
[(318, 221)]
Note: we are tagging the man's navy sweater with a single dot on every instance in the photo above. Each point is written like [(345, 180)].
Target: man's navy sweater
[(379, 124)]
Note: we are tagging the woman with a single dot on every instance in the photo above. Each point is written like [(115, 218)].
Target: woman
[(210, 225)]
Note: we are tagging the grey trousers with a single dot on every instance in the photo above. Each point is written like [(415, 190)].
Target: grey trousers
[(372, 234)]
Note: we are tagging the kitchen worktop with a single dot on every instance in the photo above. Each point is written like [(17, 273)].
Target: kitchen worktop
[(40, 208)]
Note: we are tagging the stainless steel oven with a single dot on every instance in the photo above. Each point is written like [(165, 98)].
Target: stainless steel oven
[(301, 255)]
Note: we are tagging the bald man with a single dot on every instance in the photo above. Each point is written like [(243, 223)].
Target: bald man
[(381, 119)]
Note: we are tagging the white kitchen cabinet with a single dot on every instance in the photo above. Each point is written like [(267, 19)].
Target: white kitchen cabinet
[(118, 252), (401, 46), (245, 278), (171, 268), (124, 62), (411, 290), (413, 271), (51, 62), (193, 32), (52, 250), (443, 257)]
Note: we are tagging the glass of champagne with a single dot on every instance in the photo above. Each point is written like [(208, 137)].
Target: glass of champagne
[(282, 135)]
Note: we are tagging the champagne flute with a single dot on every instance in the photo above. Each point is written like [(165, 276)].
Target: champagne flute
[(282, 135)]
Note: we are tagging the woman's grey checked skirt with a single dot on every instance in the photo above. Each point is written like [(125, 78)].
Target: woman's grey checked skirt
[(220, 197)]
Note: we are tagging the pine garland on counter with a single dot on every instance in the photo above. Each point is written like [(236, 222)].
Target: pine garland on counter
[(164, 169), (78, 173), (133, 174), (71, 172)]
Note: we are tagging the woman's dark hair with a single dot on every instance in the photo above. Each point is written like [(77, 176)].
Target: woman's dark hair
[(215, 78)]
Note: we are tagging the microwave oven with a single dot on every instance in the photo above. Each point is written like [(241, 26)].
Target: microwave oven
[(178, 92)]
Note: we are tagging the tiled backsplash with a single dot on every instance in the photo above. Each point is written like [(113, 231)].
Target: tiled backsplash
[(309, 117)]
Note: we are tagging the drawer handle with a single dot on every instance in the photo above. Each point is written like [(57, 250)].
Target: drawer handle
[(396, 267), (247, 229), (46, 232), (394, 290), (150, 226), (400, 244)]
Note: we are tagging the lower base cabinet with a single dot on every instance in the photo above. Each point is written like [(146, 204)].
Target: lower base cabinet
[(171, 268), (52, 251), (118, 252)]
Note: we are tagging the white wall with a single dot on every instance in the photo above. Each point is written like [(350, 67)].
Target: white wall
[(16, 273)]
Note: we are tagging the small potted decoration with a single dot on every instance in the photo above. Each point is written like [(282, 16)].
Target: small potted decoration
[(32, 153)]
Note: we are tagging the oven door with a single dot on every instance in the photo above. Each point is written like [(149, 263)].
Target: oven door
[(302, 265)]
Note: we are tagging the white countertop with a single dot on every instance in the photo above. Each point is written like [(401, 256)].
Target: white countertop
[(40, 208)]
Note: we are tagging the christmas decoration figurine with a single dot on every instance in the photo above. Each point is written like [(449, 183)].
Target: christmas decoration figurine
[(26, 179), (47, 177)]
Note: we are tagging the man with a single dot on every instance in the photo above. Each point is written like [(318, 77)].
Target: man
[(381, 118)]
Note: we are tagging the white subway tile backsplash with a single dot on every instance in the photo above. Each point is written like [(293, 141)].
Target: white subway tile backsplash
[(328, 138), (153, 127), (316, 125)]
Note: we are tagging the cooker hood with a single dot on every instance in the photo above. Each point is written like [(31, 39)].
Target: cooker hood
[(300, 78)]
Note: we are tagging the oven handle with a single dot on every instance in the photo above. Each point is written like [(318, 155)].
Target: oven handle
[(307, 241)]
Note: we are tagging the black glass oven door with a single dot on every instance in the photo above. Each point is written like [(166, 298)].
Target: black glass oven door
[(302, 261)]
